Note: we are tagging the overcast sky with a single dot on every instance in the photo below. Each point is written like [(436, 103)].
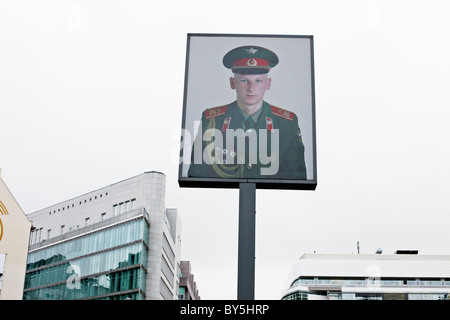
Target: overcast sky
[(91, 93)]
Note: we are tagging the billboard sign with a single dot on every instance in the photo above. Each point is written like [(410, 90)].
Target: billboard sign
[(248, 112)]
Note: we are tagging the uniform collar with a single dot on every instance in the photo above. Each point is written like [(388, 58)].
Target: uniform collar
[(255, 116)]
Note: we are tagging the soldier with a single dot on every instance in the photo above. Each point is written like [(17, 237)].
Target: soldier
[(272, 137)]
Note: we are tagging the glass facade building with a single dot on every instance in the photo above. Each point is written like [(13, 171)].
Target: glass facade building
[(118, 242), (106, 264)]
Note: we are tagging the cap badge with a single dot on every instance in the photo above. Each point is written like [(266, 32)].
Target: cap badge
[(252, 62)]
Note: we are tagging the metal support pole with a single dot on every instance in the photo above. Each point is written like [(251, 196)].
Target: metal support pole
[(246, 248)]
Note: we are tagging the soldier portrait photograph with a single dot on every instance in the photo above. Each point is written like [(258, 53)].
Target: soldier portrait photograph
[(248, 108)]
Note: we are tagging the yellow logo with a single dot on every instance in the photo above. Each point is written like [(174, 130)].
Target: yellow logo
[(3, 212)]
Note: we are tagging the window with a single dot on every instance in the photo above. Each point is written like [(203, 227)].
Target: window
[(103, 215), (33, 237), (39, 235), (86, 221), (62, 229), (124, 206), (181, 293)]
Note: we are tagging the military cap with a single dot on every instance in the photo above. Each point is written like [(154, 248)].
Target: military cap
[(250, 60)]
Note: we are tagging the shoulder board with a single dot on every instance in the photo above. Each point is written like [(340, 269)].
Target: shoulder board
[(282, 113), (214, 112)]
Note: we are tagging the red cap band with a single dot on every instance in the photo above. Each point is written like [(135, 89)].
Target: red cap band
[(251, 62)]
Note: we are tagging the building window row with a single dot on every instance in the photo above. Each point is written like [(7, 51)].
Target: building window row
[(167, 271), (387, 296), (101, 240), (168, 250), (87, 266), (80, 202), (124, 206), (36, 235), (371, 282), (166, 293), (108, 286), (367, 296)]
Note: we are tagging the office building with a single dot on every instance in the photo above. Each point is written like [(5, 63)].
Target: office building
[(14, 235), (188, 287), (118, 242), (404, 275)]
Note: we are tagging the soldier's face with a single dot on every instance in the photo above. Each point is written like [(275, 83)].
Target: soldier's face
[(250, 88)]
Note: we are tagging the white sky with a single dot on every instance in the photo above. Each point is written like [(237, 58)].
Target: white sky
[(91, 93)]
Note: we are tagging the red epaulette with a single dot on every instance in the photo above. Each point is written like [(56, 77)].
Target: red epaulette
[(214, 112), (282, 113)]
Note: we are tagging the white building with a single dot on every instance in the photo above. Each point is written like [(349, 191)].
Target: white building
[(117, 242), (14, 235), (404, 275)]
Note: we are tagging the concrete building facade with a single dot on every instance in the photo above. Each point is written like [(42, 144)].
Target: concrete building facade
[(117, 242), (404, 275), (188, 287)]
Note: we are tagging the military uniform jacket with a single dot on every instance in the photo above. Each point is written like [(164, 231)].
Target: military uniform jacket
[(291, 163)]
